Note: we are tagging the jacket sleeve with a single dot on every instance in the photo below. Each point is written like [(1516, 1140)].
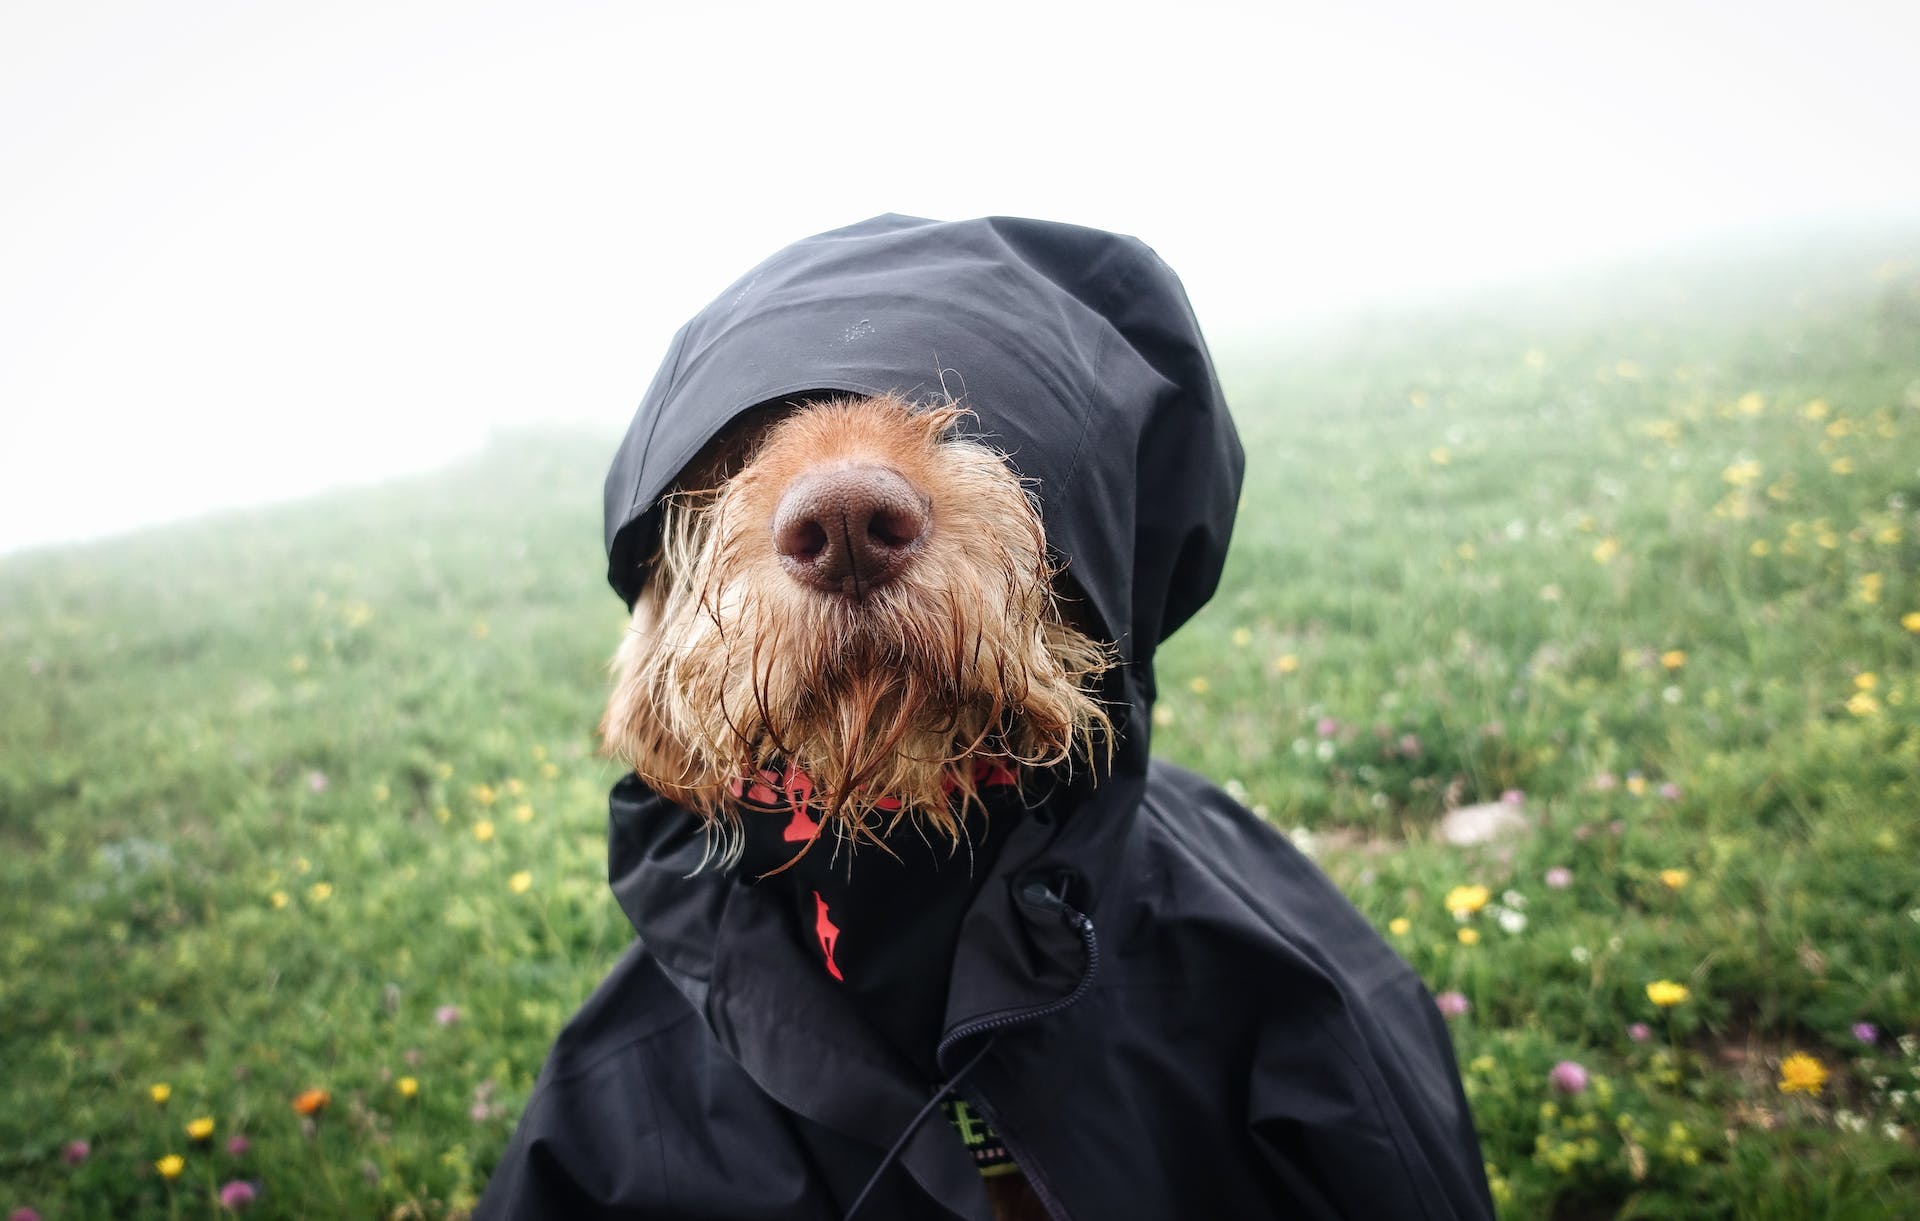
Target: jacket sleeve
[(1356, 1105)]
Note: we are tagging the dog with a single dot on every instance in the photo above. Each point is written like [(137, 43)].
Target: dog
[(892, 842)]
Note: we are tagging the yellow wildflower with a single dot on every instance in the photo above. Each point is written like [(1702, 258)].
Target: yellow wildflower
[(160, 1092), (1841, 466), (1759, 548), (1242, 638), (1866, 681), (1287, 663), (480, 629), (483, 830), (1463, 901), (523, 812), (408, 1086), (1911, 621), (320, 892), (1605, 550), (549, 770), (1816, 410), (201, 1128), (1469, 936), (1199, 685), (484, 794), (278, 898), (1666, 994), (1863, 704), (170, 1166), (311, 1102), (1750, 404), (1399, 926), (1674, 879), (1673, 659), (297, 664), (1743, 474), (520, 882), (1637, 785), (1871, 586), (1441, 455), (381, 792), (1801, 1073)]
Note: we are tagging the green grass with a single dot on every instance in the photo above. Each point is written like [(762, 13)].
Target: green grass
[(268, 780)]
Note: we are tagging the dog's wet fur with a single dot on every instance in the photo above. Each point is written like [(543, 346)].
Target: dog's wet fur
[(851, 587)]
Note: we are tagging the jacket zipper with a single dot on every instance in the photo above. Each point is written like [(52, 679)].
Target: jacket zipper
[(1084, 926)]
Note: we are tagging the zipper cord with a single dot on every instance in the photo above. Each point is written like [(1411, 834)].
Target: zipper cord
[(1080, 924), (900, 1141)]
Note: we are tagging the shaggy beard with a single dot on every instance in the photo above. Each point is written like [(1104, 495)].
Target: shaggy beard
[(892, 705)]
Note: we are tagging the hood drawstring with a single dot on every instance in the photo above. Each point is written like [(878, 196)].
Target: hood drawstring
[(900, 1142)]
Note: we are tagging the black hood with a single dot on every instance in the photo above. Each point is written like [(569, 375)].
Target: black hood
[(1076, 351)]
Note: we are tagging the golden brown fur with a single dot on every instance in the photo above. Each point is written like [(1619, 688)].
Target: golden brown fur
[(889, 702)]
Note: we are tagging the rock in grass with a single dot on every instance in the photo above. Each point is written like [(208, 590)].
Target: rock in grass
[(1483, 824)]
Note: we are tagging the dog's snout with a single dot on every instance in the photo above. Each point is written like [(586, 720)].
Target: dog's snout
[(849, 529)]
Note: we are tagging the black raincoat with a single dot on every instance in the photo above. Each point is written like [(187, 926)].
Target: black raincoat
[(1163, 1008)]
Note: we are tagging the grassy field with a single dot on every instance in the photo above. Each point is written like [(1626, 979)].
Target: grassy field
[(306, 799)]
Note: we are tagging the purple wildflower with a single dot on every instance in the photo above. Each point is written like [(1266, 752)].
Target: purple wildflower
[(1866, 1032), (1606, 782), (1326, 727), (23, 1214), (447, 1015), (78, 1151), (1670, 791), (1568, 1078), (1639, 1032), (1452, 1004), (316, 782), (238, 1145), (1559, 877), (1514, 797), (237, 1194)]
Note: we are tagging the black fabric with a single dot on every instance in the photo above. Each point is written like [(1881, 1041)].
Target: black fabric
[(1175, 1013)]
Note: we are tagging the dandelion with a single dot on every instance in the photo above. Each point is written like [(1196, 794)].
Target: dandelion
[(1399, 926), (1288, 663), (1162, 715), (1441, 455), (1463, 901), (170, 1166), (1568, 1077), (1452, 1004), (1559, 877), (1872, 584), (1750, 403), (484, 794), (278, 898), (1675, 879), (483, 830), (1469, 936), (1199, 685), (320, 892), (237, 1195), (1639, 1032), (78, 1151), (1863, 704), (1911, 621), (1605, 550), (523, 812), (1759, 548), (1666, 994), (1842, 466), (407, 1086), (1742, 474), (1801, 1073), (515, 788), (1816, 410), (520, 882), (1866, 682), (160, 1092), (1866, 1032), (1673, 659), (311, 1102), (200, 1129), (1636, 784)]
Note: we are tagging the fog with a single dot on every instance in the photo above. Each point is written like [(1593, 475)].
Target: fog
[(248, 251)]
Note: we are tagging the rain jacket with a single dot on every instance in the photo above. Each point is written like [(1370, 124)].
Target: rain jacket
[(1161, 1007)]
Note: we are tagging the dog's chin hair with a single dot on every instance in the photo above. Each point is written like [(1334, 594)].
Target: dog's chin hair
[(901, 698)]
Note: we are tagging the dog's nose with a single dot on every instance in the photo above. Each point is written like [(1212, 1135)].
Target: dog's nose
[(849, 529)]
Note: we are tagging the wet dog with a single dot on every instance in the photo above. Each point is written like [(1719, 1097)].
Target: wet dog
[(860, 595)]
